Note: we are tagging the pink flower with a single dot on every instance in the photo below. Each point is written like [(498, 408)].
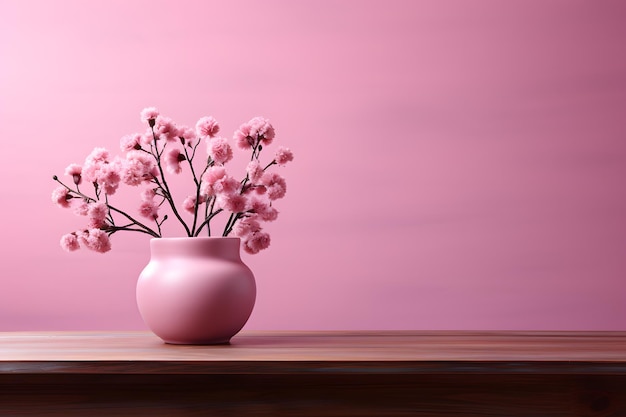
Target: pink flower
[(75, 171), (283, 155), (187, 136), (165, 128), (220, 150), (147, 138), (173, 158), (276, 185), (69, 242), (149, 209), (94, 163), (254, 170), (82, 208), (96, 240), (242, 137), (246, 226), (97, 213), (109, 177), (210, 178), (256, 242), (61, 196), (148, 194), (257, 130), (207, 126), (235, 203), (130, 142), (138, 167), (263, 209), (149, 114), (227, 185), (190, 203)]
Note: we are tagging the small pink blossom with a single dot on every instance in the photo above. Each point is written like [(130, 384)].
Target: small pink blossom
[(130, 142), (137, 168), (257, 130), (187, 136), (283, 155), (75, 171), (147, 137), (109, 177), (61, 197), (149, 209), (190, 203), (97, 213), (165, 128), (256, 242), (207, 126), (246, 226), (210, 177), (96, 240), (94, 163), (82, 208), (235, 203), (148, 194), (227, 185), (220, 150), (148, 114), (254, 171), (69, 242), (276, 185), (173, 158)]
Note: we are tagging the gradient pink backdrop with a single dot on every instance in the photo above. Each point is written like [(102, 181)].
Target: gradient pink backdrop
[(459, 164)]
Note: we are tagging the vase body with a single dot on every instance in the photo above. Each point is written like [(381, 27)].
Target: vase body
[(195, 290)]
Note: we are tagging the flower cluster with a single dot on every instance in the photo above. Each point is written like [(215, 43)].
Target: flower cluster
[(148, 159)]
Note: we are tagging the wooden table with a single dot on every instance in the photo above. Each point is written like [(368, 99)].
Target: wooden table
[(398, 373)]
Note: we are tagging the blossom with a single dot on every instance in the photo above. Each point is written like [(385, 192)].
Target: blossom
[(69, 242), (149, 114), (256, 242), (187, 136), (82, 208), (190, 203), (254, 171), (96, 240), (148, 194), (149, 209), (210, 178), (257, 130), (61, 196), (165, 128), (207, 126), (75, 171), (220, 150), (276, 185), (173, 158), (235, 203), (246, 226), (132, 141), (94, 163), (283, 155), (109, 177), (226, 185), (137, 168), (97, 213)]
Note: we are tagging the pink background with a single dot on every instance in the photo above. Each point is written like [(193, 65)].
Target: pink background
[(459, 164)]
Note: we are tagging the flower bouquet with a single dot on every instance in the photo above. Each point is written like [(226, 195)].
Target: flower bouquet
[(164, 150)]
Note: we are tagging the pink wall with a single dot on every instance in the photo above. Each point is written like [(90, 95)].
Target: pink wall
[(459, 164)]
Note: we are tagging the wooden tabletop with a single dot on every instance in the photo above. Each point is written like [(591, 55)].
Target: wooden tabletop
[(271, 352)]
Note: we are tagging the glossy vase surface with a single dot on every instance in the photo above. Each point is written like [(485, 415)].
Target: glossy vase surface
[(196, 290)]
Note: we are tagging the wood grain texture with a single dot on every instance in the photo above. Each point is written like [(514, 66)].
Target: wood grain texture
[(316, 374)]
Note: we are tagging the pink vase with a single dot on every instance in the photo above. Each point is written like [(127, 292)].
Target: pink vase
[(195, 290)]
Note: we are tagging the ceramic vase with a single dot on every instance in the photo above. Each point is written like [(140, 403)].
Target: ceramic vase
[(196, 290)]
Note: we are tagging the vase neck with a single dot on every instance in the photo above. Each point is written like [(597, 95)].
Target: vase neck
[(219, 247)]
